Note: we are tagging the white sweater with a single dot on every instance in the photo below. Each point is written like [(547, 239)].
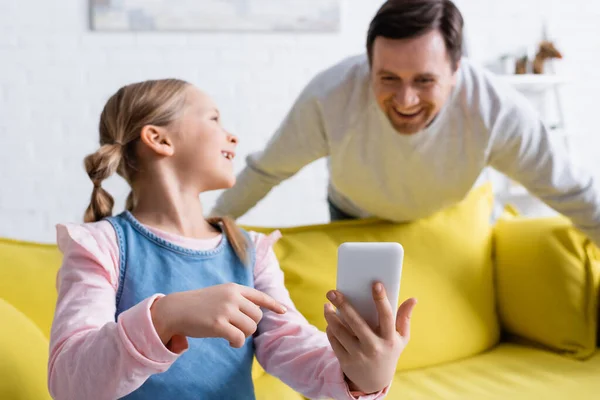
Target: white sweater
[(374, 171)]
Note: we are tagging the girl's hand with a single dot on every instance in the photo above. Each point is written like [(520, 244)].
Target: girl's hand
[(368, 358), (228, 311)]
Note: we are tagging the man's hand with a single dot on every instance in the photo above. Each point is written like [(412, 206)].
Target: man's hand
[(368, 358)]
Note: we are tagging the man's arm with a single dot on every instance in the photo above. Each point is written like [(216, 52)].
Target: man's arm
[(299, 141), (523, 149)]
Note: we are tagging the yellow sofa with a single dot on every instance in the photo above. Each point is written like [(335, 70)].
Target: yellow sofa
[(506, 311)]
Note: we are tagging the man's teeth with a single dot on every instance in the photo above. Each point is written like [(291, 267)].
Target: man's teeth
[(407, 115)]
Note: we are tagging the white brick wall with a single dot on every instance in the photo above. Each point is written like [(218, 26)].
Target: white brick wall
[(56, 76)]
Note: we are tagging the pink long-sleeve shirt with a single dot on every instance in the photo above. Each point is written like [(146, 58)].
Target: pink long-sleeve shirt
[(92, 356)]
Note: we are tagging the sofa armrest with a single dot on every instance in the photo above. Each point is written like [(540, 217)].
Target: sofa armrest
[(547, 283)]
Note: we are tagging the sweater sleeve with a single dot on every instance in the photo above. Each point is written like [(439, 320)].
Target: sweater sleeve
[(299, 141), (523, 149), (92, 356), (288, 346)]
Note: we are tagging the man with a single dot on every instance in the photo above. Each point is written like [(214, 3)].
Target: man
[(409, 127)]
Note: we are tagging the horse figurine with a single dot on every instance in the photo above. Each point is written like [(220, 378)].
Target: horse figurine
[(546, 51)]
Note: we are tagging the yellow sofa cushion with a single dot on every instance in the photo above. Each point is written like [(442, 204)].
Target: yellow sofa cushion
[(548, 277), (28, 279), (23, 356), (508, 371), (447, 267)]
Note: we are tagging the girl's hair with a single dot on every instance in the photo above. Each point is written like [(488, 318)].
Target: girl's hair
[(153, 102)]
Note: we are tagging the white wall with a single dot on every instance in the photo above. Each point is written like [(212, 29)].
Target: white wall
[(56, 75)]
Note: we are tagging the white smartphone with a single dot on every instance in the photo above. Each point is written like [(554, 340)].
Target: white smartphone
[(364, 263)]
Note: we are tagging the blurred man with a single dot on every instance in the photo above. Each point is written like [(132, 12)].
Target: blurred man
[(410, 126)]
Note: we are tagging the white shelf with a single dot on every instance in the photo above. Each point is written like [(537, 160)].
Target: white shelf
[(533, 82)]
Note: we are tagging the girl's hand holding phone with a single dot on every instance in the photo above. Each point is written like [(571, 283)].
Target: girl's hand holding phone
[(367, 356)]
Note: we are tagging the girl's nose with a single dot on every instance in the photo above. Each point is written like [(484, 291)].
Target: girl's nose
[(232, 138)]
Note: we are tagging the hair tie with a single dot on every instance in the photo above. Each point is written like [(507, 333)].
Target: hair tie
[(97, 185)]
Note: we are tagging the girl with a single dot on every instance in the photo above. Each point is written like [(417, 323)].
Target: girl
[(159, 303)]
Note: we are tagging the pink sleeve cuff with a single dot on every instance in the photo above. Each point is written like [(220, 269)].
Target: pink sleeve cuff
[(140, 338), (374, 396), (344, 391)]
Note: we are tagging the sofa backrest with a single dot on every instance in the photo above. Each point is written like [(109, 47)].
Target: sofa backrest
[(28, 278), (447, 267)]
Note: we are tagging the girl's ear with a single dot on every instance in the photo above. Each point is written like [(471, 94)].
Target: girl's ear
[(158, 140)]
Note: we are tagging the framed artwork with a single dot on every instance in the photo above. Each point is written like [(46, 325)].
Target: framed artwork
[(215, 15)]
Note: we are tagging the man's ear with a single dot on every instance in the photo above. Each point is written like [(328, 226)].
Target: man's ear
[(455, 72), (158, 140)]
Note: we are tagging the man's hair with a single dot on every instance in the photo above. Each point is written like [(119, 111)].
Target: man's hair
[(402, 19)]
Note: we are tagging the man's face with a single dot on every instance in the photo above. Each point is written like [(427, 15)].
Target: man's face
[(412, 79)]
